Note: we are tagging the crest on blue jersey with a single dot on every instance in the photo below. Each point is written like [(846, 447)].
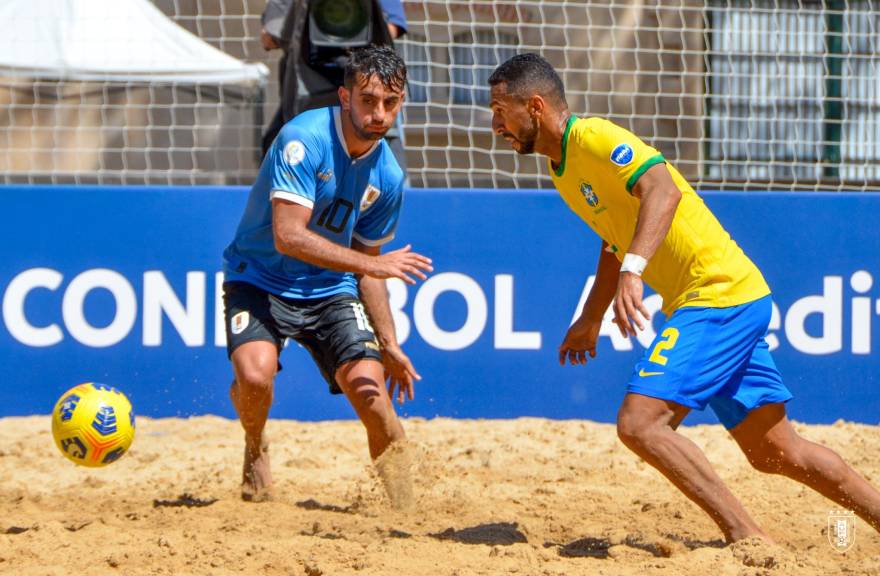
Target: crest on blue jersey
[(590, 196), (371, 194), (294, 152), (622, 154)]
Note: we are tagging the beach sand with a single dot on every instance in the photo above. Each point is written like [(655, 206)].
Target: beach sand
[(526, 496)]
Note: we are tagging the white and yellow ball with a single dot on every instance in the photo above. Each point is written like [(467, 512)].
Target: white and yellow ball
[(93, 424)]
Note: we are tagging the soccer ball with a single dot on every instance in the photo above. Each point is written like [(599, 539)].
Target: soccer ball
[(93, 424)]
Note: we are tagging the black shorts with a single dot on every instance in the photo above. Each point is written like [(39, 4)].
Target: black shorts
[(334, 330)]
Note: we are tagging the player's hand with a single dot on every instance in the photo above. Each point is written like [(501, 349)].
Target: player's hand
[(629, 310), (268, 41), (400, 373), (401, 263), (579, 341)]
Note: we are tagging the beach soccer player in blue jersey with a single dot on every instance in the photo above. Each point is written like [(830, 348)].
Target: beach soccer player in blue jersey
[(306, 264)]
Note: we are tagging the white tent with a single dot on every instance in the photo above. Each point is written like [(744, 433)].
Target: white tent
[(110, 40), (113, 91)]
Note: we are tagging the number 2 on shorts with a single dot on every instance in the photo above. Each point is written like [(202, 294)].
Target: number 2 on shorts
[(670, 337)]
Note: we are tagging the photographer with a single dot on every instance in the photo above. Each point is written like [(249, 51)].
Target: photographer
[(309, 75)]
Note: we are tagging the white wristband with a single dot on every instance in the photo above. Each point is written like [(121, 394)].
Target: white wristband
[(633, 263)]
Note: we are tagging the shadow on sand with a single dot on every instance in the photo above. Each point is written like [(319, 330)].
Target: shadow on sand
[(497, 533)]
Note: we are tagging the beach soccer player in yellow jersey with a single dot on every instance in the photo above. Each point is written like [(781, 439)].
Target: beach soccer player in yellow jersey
[(711, 350)]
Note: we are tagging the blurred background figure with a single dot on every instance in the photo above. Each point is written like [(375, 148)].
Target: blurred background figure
[(315, 36)]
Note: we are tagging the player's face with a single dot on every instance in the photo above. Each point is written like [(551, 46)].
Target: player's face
[(511, 120), (372, 107)]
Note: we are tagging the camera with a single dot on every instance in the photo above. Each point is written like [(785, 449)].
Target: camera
[(335, 26)]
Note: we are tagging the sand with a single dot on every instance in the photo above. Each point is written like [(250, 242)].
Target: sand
[(527, 496)]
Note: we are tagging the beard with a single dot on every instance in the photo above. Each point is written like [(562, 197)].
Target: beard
[(526, 137), (364, 133)]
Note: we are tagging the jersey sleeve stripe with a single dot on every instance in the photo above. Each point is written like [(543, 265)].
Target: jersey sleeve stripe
[(650, 162), (292, 197), (368, 242)]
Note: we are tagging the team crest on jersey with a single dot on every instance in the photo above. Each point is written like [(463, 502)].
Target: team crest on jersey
[(294, 152), (239, 322), (371, 194), (622, 154), (325, 175), (590, 196)]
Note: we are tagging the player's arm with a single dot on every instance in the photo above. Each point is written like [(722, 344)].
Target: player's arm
[(659, 199), (374, 296), (273, 18), (583, 335), (293, 162), (293, 238), (604, 287)]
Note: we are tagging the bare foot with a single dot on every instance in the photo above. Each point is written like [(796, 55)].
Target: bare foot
[(760, 552), (759, 535), (393, 467), (256, 477)]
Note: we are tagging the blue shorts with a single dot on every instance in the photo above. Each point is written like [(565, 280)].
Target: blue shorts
[(716, 357)]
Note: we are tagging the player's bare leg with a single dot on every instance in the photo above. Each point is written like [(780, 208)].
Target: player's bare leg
[(254, 364), (771, 445), (363, 382), (647, 426)]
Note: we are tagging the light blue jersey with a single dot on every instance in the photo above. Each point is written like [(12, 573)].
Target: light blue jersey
[(309, 164)]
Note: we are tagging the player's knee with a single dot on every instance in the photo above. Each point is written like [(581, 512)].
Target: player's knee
[(254, 376), (633, 429), (367, 394), (765, 459), (378, 416), (378, 412)]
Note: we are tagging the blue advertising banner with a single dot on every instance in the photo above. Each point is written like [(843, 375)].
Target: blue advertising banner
[(120, 285)]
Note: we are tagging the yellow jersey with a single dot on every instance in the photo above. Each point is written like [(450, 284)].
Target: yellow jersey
[(698, 263)]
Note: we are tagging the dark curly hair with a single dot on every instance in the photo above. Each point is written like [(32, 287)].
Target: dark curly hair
[(381, 61)]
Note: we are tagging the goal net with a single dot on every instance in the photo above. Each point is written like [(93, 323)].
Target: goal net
[(740, 95)]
